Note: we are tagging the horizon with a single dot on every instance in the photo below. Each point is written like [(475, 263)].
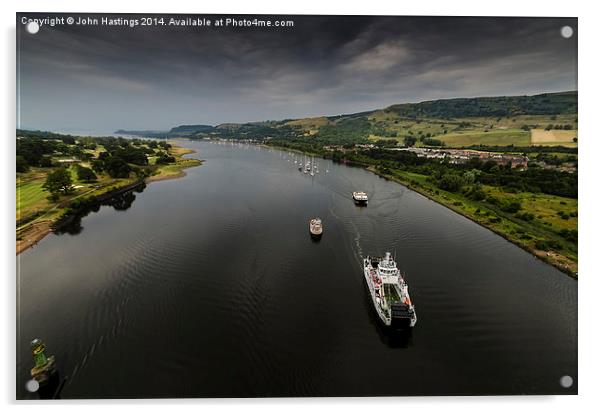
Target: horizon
[(116, 130), (74, 79)]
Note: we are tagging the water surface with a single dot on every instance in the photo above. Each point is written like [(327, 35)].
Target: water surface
[(210, 285)]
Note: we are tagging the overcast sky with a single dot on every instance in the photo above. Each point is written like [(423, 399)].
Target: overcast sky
[(99, 79)]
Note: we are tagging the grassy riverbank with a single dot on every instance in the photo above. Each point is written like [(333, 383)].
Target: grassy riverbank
[(539, 232), (37, 212)]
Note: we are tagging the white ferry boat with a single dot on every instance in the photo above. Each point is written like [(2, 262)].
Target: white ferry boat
[(360, 198), (389, 292)]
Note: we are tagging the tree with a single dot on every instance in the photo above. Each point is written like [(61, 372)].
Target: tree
[(46, 162), (85, 174), (409, 140), (58, 181), (451, 182), (98, 166), (164, 158), (117, 167), (22, 165), (133, 155)]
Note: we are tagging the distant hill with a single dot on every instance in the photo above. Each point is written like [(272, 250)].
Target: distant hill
[(458, 122), (190, 129), (544, 104), (178, 131), (144, 133)]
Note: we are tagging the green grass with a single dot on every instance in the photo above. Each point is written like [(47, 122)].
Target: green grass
[(31, 197), (491, 138)]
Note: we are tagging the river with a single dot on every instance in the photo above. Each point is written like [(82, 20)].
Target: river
[(210, 286)]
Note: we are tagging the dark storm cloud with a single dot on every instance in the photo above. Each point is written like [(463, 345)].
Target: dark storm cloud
[(99, 78)]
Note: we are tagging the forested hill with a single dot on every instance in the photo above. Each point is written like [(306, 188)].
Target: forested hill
[(190, 129), (544, 104)]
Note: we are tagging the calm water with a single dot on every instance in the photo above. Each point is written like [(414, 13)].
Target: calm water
[(211, 286)]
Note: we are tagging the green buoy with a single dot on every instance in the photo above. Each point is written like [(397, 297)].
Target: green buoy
[(44, 367)]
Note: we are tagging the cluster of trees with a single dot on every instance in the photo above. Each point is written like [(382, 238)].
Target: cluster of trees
[(120, 158), (114, 165), (433, 142), (559, 127), (538, 180), (164, 158), (35, 151), (552, 159), (345, 131), (255, 131)]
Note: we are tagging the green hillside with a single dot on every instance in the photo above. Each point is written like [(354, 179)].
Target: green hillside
[(453, 123), (544, 104)]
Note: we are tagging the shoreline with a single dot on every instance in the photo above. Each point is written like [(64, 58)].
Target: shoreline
[(37, 231), (554, 259), (542, 255)]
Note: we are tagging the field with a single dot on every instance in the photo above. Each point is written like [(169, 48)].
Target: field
[(490, 138), (30, 195), (521, 130), (553, 137)]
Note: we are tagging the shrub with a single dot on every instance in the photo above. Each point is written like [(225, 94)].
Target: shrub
[(85, 174), (526, 216), (451, 182), (22, 165), (511, 206), (492, 200), (570, 235), (563, 215)]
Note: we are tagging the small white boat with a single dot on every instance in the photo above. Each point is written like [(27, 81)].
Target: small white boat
[(315, 227), (360, 198)]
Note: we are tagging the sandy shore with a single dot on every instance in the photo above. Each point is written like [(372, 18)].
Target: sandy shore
[(34, 233)]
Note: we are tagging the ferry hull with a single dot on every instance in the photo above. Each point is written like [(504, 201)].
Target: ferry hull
[(401, 318)]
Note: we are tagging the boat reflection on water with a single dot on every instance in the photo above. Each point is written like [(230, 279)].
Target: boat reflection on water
[(395, 338), (391, 337)]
